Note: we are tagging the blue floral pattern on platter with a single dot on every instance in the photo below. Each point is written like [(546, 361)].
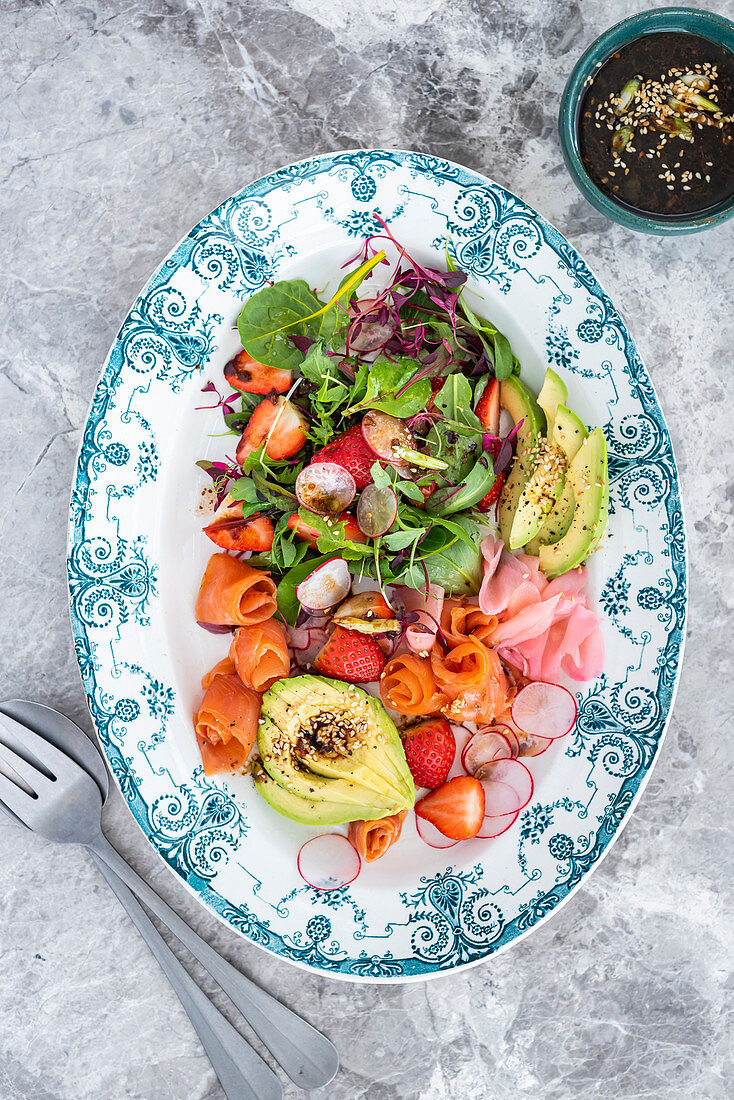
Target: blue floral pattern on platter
[(419, 912)]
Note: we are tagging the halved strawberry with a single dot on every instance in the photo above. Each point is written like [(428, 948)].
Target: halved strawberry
[(350, 451), (236, 534), (348, 655), (278, 421), (247, 375), (456, 808), (426, 489), (488, 407), (309, 534), (430, 748), (493, 495)]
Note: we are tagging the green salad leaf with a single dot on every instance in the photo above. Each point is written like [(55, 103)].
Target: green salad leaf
[(389, 389), (288, 603), (453, 562), (290, 308)]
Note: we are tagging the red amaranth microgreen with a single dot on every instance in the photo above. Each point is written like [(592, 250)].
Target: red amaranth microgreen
[(223, 403)]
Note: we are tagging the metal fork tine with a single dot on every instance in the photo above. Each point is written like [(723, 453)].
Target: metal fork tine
[(22, 805), (56, 761), (35, 779)]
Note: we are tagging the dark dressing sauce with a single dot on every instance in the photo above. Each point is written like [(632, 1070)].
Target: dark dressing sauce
[(671, 159)]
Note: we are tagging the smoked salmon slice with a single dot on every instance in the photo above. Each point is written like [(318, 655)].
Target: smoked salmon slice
[(472, 677), (229, 712), (408, 685), (260, 654), (220, 757), (373, 838), (233, 593), (225, 667), (461, 621)]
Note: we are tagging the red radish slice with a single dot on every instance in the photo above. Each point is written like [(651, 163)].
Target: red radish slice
[(377, 510), (383, 434), (508, 787), (430, 834), (496, 826), (325, 488), (484, 747), (328, 862), (544, 710), (329, 584), (462, 737)]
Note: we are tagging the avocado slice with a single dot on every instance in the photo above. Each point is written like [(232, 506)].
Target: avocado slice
[(588, 477), (553, 394), (521, 405), (569, 432), (332, 747), (547, 465), (303, 810)]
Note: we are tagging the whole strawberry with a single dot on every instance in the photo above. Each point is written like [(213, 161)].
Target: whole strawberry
[(350, 451), (429, 750), (351, 656)]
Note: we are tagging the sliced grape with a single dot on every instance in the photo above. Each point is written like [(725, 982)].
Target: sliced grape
[(325, 488), (376, 510), (385, 435)]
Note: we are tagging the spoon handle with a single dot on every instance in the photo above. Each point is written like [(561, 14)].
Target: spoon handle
[(308, 1057), (241, 1071)]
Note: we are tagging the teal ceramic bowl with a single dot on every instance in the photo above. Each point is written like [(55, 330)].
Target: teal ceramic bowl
[(703, 23)]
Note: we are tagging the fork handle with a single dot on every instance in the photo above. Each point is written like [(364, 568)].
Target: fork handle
[(308, 1057), (241, 1071)]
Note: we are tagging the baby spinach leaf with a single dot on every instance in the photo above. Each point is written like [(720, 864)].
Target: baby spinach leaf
[(503, 357), (288, 603), (449, 561), (290, 307), (475, 485)]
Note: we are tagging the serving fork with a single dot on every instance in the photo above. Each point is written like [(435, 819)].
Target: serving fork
[(66, 806)]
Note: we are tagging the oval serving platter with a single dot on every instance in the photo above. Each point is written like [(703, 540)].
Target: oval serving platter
[(136, 555)]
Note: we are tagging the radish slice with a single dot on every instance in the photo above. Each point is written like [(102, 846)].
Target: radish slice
[(377, 510), (544, 710), (462, 737), (325, 488), (496, 826), (485, 746), (328, 862), (383, 434), (329, 584), (514, 740), (430, 834), (508, 787)]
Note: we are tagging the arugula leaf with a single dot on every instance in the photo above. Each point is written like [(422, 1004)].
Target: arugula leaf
[(331, 537), (400, 540), (455, 399), (387, 392), (409, 490), (290, 307)]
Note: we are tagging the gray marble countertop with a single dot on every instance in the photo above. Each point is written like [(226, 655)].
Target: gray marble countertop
[(122, 123)]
